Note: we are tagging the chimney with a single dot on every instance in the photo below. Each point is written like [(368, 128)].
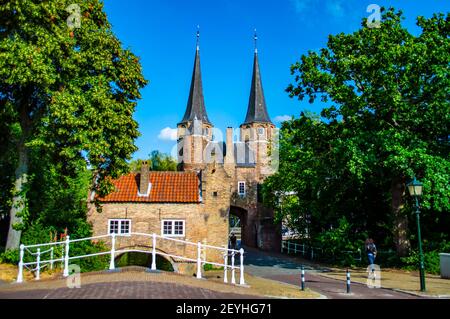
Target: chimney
[(229, 157), (144, 187)]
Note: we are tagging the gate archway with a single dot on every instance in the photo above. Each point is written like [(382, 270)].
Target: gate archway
[(239, 216)]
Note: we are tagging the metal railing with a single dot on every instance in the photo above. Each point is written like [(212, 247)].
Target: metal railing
[(311, 252), (65, 255)]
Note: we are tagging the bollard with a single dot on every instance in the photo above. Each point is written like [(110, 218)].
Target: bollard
[(241, 280), (348, 281), (113, 251), (303, 278), (154, 252), (38, 264), (66, 258), (20, 274)]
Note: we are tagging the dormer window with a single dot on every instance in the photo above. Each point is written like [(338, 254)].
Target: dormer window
[(147, 193)]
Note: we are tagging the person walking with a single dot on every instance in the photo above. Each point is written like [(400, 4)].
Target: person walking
[(233, 241), (371, 251)]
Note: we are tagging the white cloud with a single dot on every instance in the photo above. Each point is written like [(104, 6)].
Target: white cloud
[(282, 118), (168, 134)]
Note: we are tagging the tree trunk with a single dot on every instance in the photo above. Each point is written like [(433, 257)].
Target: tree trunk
[(19, 198), (400, 227)]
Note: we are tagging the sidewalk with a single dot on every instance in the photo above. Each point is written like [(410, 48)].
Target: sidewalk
[(394, 279), (400, 280)]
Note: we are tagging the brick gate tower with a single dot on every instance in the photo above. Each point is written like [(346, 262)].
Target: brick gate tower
[(233, 170)]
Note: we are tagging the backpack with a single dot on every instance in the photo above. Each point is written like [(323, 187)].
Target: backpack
[(371, 248)]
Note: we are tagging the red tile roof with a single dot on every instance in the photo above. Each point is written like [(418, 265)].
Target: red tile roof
[(166, 187)]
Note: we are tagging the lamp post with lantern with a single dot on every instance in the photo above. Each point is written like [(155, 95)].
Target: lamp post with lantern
[(415, 190)]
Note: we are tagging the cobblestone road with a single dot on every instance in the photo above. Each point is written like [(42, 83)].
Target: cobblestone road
[(124, 290)]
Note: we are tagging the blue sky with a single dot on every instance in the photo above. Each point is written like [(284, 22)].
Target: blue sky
[(162, 33)]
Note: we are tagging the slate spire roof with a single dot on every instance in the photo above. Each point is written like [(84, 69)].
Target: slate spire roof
[(257, 109), (196, 108)]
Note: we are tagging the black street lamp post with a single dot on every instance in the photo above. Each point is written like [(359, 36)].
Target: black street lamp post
[(415, 190)]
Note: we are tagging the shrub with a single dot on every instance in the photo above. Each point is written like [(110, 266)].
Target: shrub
[(209, 267), (431, 258)]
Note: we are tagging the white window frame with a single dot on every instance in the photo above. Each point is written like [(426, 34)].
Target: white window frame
[(173, 228), (239, 188), (119, 220)]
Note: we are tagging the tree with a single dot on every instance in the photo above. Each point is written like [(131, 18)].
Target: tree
[(157, 162), (69, 89), (389, 118)]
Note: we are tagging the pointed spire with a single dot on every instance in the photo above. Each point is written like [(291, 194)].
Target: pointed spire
[(198, 37), (195, 108), (256, 42), (257, 110)]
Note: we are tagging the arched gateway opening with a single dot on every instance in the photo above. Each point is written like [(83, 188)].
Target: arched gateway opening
[(245, 233)]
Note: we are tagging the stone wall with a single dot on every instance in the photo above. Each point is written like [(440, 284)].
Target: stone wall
[(203, 224)]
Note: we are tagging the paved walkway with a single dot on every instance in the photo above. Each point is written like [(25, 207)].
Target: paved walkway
[(123, 290), (287, 269)]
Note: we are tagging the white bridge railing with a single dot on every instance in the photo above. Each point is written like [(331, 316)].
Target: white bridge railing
[(64, 248)]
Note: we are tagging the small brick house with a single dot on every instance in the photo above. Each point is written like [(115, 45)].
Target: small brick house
[(216, 179), (166, 203)]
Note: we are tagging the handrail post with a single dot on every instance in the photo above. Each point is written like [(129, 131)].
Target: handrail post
[(20, 274), (66, 258), (233, 270), (225, 274), (241, 280), (113, 251), (51, 258), (154, 252), (199, 260), (38, 264)]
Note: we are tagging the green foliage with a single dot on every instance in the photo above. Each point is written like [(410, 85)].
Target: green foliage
[(10, 256), (209, 267), (387, 119), (157, 162), (69, 93), (431, 258), (143, 260), (339, 244)]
